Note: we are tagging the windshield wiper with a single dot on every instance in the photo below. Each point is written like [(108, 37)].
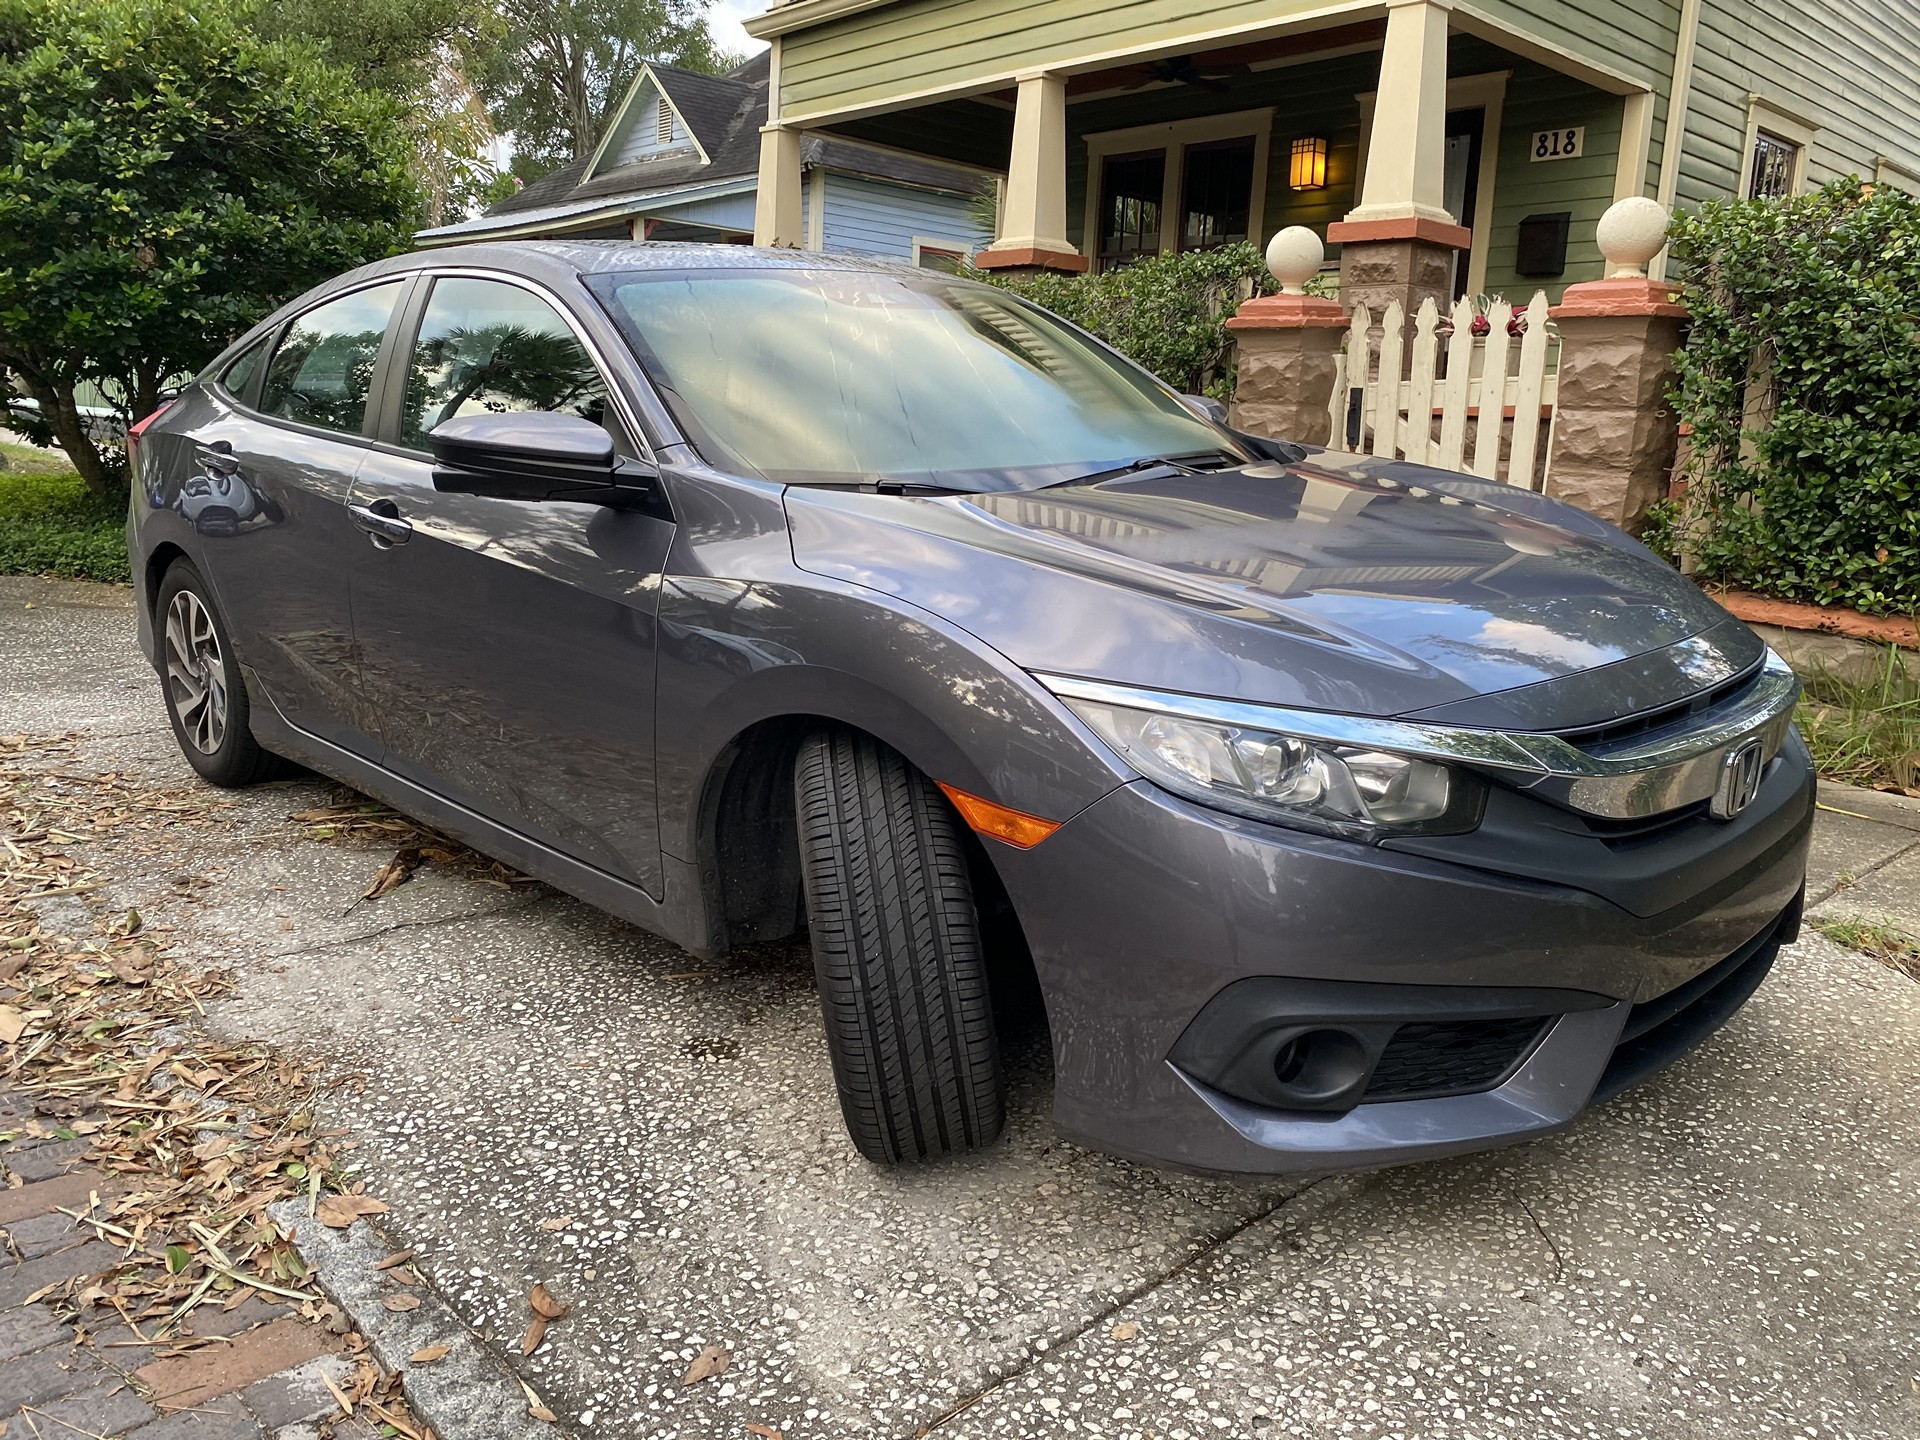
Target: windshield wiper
[(1178, 464)]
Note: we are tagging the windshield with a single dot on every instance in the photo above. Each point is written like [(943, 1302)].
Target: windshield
[(851, 376)]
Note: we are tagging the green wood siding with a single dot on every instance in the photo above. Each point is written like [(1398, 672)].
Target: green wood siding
[(1852, 66), (921, 45)]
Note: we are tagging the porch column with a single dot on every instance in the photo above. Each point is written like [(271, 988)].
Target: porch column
[(1399, 242), (1289, 346), (1614, 434), (1033, 219), (776, 201)]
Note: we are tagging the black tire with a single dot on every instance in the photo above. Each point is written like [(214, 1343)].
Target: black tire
[(896, 947), (236, 760)]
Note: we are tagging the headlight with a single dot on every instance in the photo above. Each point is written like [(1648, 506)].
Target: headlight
[(1346, 790)]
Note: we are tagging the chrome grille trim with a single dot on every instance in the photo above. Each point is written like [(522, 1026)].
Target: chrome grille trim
[(1664, 771)]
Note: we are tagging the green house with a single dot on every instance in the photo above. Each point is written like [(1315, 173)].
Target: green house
[(1441, 148)]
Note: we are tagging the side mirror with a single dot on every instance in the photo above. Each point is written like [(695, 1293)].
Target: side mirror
[(1206, 407), (534, 455)]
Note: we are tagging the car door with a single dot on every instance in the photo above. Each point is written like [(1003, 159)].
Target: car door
[(509, 646), (266, 492)]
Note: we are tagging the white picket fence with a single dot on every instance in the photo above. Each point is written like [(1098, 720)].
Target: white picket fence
[(1446, 402)]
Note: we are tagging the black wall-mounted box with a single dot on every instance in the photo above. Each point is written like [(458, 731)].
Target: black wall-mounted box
[(1542, 247)]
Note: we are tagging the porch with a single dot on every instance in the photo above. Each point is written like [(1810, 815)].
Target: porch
[(1438, 152)]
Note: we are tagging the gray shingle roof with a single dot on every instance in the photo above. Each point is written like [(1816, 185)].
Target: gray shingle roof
[(725, 113)]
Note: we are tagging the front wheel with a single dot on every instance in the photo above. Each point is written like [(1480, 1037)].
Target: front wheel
[(896, 947), (206, 698)]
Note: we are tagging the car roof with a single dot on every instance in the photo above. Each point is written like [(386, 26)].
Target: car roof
[(590, 257)]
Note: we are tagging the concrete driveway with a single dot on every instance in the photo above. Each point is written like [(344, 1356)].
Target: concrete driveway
[(1729, 1250)]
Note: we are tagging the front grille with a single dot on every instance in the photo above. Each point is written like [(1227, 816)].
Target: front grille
[(1457, 1057), (1599, 738)]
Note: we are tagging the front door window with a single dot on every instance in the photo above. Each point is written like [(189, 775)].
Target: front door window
[(1216, 193), (1131, 196)]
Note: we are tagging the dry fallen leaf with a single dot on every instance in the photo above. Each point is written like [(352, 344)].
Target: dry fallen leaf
[(395, 873), (558, 1222), (13, 1023), (395, 1260), (1125, 1330), (766, 1432), (710, 1362), (546, 1310), (536, 1407), (429, 1355), (337, 1212), (402, 1303)]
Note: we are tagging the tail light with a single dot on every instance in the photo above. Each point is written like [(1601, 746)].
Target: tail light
[(135, 431)]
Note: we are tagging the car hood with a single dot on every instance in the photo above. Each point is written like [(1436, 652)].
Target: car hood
[(1340, 583)]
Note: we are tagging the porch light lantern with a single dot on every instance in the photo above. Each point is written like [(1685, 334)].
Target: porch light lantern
[(1307, 168)]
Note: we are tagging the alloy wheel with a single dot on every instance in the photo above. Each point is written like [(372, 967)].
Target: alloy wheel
[(196, 672)]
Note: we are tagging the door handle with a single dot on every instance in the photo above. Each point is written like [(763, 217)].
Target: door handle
[(381, 520), (218, 458)]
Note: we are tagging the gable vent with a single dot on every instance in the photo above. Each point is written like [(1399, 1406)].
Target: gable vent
[(663, 122)]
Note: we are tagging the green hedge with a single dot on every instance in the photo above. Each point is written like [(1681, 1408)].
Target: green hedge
[(1801, 380), (1168, 313), (50, 524)]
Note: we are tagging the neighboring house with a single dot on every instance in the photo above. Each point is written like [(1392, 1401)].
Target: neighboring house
[(1444, 147), (680, 161)]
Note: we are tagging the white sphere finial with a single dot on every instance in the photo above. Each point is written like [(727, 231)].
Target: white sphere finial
[(1294, 256), (1630, 234)]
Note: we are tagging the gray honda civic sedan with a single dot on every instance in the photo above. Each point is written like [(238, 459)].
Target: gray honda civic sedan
[(1334, 811)]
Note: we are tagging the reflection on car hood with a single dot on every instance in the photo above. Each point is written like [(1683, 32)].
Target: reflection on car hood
[(1342, 583)]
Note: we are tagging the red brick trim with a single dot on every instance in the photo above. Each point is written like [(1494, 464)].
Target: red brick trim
[(1430, 232), (1031, 259), (1633, 296), (1828, 619), (1289, 312)]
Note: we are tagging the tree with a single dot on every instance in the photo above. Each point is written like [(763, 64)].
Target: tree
[(552, 71), (407, 49), (167, 176)]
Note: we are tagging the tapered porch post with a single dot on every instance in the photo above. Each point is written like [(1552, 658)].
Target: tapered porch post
[(1033, 221), (776, 202), (1399, 242)]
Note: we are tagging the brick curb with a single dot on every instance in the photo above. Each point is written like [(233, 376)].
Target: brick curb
[(468, 1395)]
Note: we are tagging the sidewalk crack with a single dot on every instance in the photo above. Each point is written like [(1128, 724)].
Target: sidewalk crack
[(1854, 877), (1131, 1297)]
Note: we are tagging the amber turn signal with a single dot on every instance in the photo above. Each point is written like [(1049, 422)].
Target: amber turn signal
[(1018, 829)]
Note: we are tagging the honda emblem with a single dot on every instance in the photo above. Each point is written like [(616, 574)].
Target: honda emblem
[(1740, 773)]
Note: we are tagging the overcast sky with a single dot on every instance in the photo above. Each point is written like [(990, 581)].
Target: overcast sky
[(725, 20)]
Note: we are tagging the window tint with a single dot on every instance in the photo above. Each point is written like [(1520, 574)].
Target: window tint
[(485, 347), (240, 373), (323, 370)]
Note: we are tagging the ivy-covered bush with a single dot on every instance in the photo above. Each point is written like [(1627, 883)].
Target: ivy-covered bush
[(1169, 313), (1801, 381)]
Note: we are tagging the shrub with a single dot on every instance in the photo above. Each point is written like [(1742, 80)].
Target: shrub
[(1801, 380), (51, 524), (1169, 313)]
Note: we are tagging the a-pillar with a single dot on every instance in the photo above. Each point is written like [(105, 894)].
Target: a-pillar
[(1033, 215), (776, 202), (1400, 241), (1614, 433), (1289, 346)]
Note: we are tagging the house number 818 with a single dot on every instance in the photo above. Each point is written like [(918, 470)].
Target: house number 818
[(1559, 144)]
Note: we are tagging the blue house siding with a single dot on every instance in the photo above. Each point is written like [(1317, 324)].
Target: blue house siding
[(872, 217), (723, 212)]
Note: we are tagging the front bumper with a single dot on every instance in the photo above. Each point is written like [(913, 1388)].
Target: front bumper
[(1143, 910)]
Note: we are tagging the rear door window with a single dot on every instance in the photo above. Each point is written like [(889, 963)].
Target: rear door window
[(238, 376), (323, 371), (490, 348)]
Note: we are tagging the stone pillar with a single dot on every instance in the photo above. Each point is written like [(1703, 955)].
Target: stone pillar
[(1288, 345), (1614, 433), (776, 201), (1033, 215), (1399, 242)]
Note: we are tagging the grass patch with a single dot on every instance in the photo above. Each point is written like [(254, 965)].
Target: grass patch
[(51, 525), (1885, 942), (1865, 733)]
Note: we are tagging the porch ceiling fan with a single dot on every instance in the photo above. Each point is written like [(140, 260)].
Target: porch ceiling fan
[(1183, 70)]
